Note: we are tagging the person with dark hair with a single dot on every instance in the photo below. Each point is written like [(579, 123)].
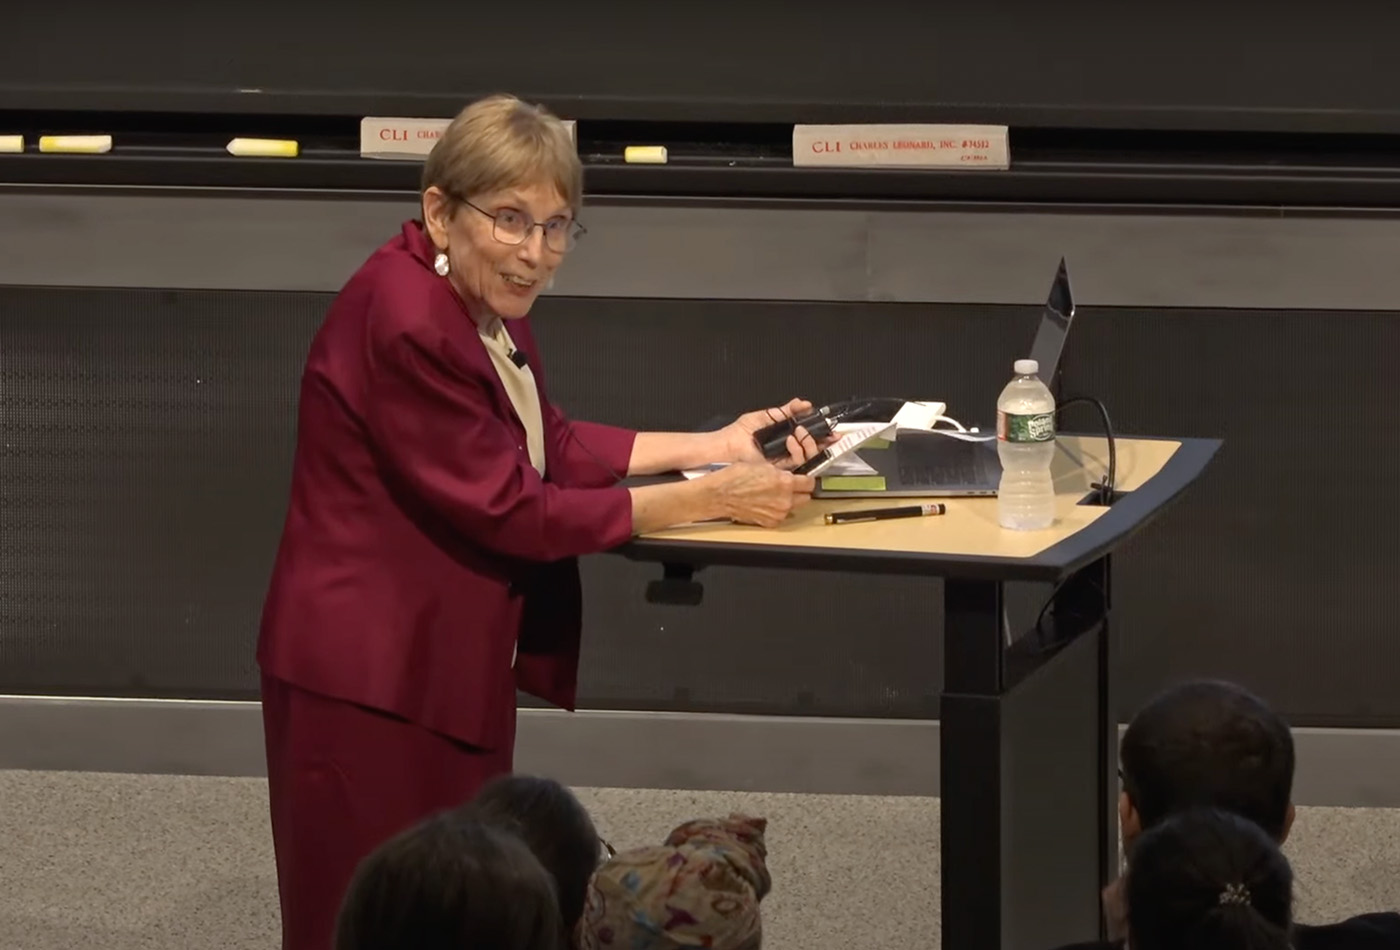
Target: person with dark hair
[(1208, 880), (1213, 744), (1207, 744), (450, 883), (555, 826)]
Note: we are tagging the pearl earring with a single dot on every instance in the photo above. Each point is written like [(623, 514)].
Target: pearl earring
[(440, 264)]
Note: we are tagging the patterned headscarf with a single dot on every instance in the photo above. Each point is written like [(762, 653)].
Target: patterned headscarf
[(701, 889)]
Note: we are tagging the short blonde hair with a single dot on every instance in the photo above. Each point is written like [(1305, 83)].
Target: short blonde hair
[(502, 142)]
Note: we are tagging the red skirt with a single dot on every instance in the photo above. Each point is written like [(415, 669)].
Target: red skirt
[(342, 779)]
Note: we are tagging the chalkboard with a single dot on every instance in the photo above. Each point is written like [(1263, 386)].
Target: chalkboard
[(1070, 65)]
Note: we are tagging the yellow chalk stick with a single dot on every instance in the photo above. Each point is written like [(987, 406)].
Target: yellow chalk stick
[(264, 148), (10, 144), (645, 154), (80, 144)]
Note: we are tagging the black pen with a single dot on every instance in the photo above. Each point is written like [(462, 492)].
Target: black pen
[(882, 514)]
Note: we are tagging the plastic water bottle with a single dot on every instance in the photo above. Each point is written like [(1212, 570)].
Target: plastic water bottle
[(1026, 445)]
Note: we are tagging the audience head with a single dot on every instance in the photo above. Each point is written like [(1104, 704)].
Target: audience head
[(1208, 880), (1206, 745), (450, 883), (556, 827), (702, 888)]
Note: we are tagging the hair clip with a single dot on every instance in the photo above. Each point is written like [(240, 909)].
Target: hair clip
[(1234, 894)]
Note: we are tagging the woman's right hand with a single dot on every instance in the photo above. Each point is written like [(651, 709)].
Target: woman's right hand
[(759, 493)]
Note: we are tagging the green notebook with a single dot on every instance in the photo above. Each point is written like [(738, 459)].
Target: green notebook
[(852, 482)]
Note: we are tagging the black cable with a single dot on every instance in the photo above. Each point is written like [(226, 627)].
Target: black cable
[(568, 424), (1107, 487), (1040, 619), (569, 427), (820, 421), (840, 409), (518, 357), (882, 406), (1049, 646)]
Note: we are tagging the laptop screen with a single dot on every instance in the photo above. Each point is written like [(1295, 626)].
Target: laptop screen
[(1054, 326)]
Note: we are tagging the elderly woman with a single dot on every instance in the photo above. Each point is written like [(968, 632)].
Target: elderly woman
[(438, 503)]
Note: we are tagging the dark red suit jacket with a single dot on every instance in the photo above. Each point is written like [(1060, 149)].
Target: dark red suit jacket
[(419, 540)]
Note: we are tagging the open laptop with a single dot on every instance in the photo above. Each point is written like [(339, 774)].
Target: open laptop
[(936, 464)]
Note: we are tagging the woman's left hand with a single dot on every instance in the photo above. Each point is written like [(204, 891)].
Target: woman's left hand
[(741, 447)]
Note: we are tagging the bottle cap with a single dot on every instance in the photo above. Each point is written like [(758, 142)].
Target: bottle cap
[(1026, 367)]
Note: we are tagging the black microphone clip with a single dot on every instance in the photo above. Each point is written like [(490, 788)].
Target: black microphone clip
[(518, 358)]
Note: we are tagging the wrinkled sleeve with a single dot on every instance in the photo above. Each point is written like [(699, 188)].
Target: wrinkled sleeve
[(586, 454), (431, 420)]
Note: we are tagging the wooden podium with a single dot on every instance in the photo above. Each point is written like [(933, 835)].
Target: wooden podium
[(1028, 736)]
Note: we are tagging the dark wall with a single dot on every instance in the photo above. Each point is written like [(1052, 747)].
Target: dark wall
[(145, 441), (1081, 64), (146, 436)]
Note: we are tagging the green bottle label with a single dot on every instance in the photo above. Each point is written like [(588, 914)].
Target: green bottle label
[(1034, 427)]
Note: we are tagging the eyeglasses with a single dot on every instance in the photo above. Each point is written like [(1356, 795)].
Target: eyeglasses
[(513, 227), (605, 851)]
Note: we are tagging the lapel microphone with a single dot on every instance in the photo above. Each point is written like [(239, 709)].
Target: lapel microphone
[(518, 358)]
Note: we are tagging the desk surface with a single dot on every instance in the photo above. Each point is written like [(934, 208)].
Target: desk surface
[(967, 541)]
